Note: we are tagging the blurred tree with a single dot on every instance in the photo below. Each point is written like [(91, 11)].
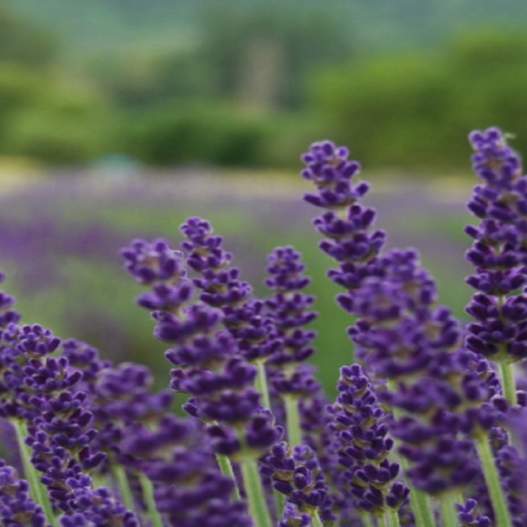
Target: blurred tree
[(415, 111), (23, 42), (263, 51), (178, 133)]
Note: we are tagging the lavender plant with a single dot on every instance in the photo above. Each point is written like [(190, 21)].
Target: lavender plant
[(427, 428)]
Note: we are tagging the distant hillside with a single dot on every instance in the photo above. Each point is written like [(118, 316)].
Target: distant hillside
[(100, 25)]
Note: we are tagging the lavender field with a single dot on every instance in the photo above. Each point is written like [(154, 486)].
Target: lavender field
[(60, 239)]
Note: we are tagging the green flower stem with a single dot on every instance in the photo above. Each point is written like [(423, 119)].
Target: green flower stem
[(382, 521), (419, 501), (448, 509), (393, 518), (226, 469), (279, 500), (261, 384), (294, 432), (123, 484), (508, 382), (317, 522), (497, 496), (150, 500), (38, 491), (366, 520), (255, 494)]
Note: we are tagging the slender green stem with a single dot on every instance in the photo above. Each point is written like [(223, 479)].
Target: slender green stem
[(123, 484), (508, 382), (382, 521), (150, 500), (226, 469), (317, 522), (38, 491), (261, 384), (393, 518), (294, 431), (279, 500), (99, 480), (448, 510), (366, 520), (497, 496), (255, 494)]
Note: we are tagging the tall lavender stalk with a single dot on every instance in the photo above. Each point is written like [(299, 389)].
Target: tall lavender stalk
[(405, 339), (222, 288), (499, 256), (292, 380), (208, 366)]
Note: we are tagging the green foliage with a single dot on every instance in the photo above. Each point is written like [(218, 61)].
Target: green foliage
[(61, 123), (186, 133), (23, 42), (415, 110)]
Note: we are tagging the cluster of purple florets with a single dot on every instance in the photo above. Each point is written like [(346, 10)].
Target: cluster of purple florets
[(260, 444)]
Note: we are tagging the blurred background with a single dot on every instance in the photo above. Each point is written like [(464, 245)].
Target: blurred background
[(119, 118)]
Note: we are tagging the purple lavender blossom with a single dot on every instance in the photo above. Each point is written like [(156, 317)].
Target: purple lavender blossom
[(498, 251), (296, 473), (400, 333), (177, 458), (16, 506), (292, 517), (291, 311), (208, 365), (359, 430), (469, 516), (221, 286), (43, 390)]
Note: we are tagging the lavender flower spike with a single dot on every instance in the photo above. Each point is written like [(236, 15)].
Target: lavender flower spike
[(359, 428), (498, 253), (290, 308), (221, 286), (208, 367), (296, 473)]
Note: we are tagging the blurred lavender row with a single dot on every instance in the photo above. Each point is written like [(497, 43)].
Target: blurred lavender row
[(63, 234)]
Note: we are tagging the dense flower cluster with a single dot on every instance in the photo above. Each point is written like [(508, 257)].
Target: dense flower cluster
[(498, 250), (40, 392), (360, 438), (290, 309), (221, 287), (16, 506), (402, 337), (422, 430), (209, 365), (297, 474)]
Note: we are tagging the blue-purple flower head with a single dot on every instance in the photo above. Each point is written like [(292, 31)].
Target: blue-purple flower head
[(493, 160), (328, 166), (221, 287), (359, 429), (157, 265), (498, 250), (190, 490), (219, 282), (296, 473), (208, 365), (16, 506)]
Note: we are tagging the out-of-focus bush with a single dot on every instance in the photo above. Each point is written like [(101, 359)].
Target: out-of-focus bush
[(197, 132), (414, 111), (64, 124), (218, 133), (23, 42)]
